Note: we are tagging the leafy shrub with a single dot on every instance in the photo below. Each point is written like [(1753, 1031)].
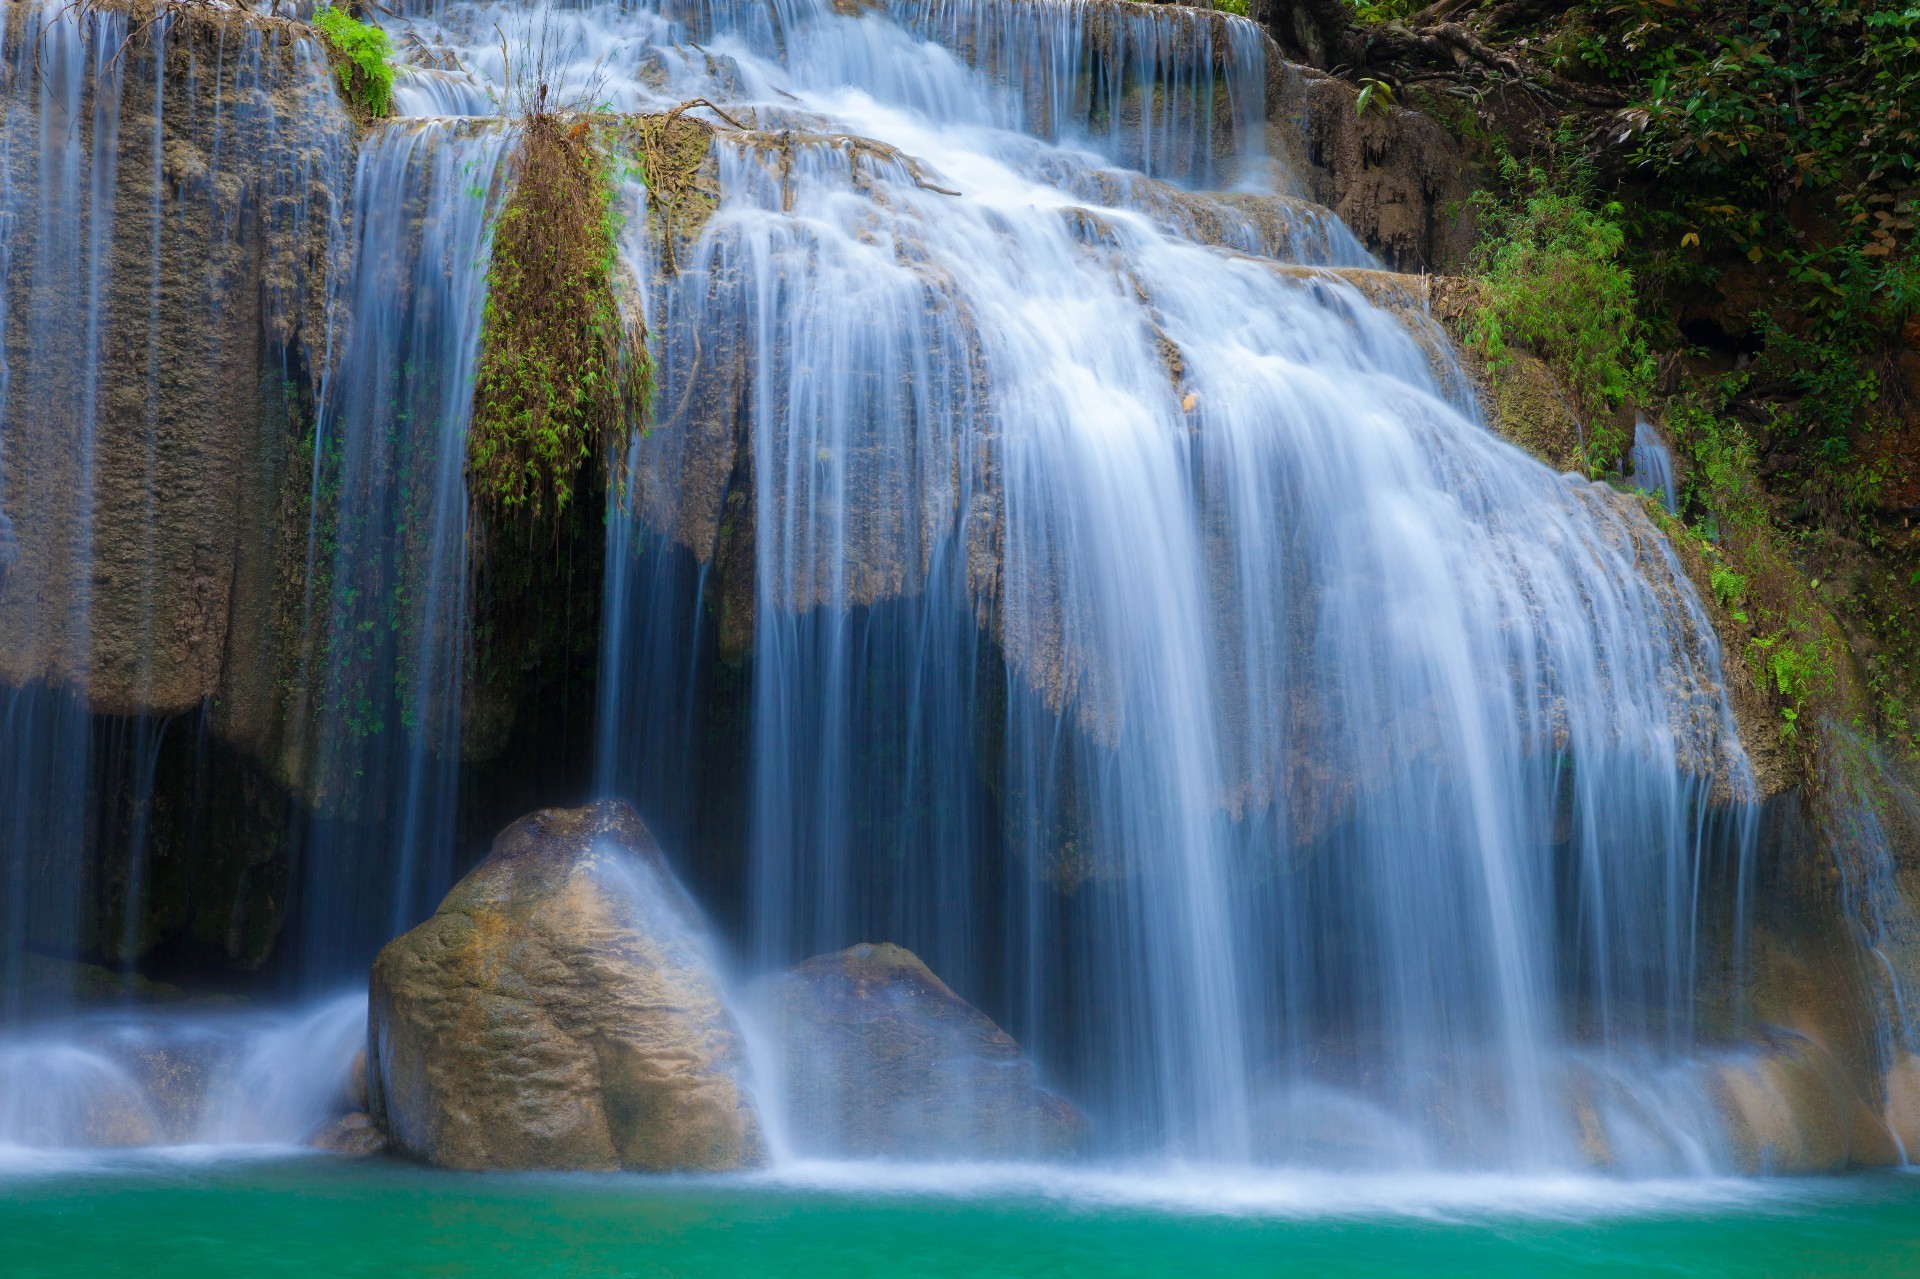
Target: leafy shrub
[(1553, 283)]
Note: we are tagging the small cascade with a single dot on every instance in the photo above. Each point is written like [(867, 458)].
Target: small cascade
[(1652, 465), (178, 1079), (387, 596), (1873, 819)]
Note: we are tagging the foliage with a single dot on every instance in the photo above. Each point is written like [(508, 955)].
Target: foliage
[(563, 373), (1789, 645), (1728, 586), (1377, 94), (1236, 7), (1553, 282), (362, 50)]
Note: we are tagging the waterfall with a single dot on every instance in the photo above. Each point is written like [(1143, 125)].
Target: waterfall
[(1652, 465), (387, 597), (1049, 555), (1874, 814), (1135, 624)]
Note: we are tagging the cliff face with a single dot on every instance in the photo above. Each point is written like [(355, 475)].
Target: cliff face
[(173, 179)]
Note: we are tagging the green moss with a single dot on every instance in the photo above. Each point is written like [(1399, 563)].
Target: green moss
[(563, 373), (360, 50)]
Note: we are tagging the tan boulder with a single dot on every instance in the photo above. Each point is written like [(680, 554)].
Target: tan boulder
[(558, 1012), (879, 1057)]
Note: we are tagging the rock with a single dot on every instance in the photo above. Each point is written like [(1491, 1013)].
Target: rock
[(557, 1012), (356, 1091), (353, 1134), (1397, 178), (880, 1058), (1790, 1111)]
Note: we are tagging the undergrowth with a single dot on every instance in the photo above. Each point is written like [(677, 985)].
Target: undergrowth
[(1784, 630), (1553, 282), (361, 51)]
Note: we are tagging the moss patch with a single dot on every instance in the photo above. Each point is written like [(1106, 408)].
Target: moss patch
[(563, 372), (359, 52)]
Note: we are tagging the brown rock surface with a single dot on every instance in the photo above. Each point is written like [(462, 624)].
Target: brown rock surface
[(1791, 1111), (881, 1058), (145, 568), (557, 1012)]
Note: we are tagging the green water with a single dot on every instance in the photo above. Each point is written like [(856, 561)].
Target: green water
[(326, 1217)]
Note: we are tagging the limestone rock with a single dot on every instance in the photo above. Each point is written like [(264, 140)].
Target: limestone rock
[(1395, 177), (881, 1058), (557, 1012), (354, 1133)]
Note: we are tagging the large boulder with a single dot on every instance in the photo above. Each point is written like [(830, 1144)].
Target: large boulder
[(880, 1058), (558, 1012)]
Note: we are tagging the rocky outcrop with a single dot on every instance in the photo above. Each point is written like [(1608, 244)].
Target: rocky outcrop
[(880, 1058), (1790, 1109), (558, 1012), (1396, 178), (163, 258)]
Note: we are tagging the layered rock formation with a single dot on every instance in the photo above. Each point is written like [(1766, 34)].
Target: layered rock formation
[(558, 1011), (879, 1057)]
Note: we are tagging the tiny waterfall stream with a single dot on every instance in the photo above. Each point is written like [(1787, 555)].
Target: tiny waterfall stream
[(1125, 606)]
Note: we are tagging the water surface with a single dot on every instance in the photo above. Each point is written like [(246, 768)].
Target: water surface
[(313, 1216)]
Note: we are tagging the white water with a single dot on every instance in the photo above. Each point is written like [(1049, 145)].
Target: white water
[(1652, 465), (1342, 746), (178, 1080)]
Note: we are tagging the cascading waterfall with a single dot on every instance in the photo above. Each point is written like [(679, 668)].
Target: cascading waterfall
[(1109, 597), (126, 150), (1878, 813), (1139, 631)]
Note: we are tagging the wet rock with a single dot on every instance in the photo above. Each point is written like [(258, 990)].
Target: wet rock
[(557, 1012), (1903, 1103), (1790, 1111), (880, 1058), (354, 1133), (1396, 177)]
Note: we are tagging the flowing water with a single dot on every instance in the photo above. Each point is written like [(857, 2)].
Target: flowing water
[(1121, 601), (1131, 597)]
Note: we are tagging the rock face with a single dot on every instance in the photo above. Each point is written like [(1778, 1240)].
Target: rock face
[(880, 1058), (1791, 1111), (557, 1012)]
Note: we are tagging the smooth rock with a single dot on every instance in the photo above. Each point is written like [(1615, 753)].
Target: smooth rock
[(879, 1057), (558, 1012)]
